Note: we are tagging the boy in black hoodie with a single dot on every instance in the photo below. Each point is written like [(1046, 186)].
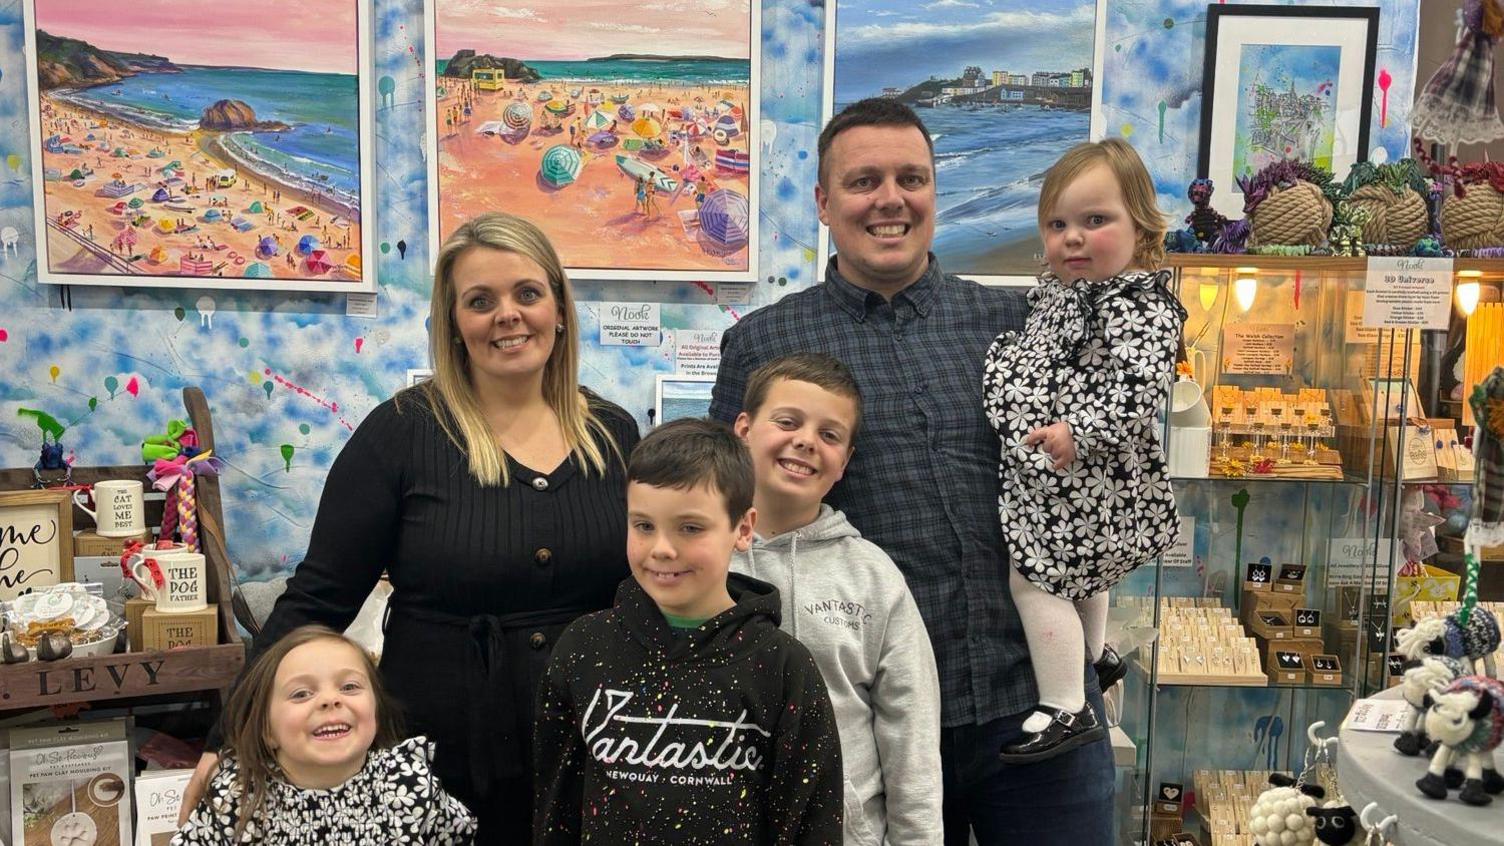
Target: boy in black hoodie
[(684, 715)]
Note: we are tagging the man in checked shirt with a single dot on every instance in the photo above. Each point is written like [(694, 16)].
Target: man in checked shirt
[(922, 483)]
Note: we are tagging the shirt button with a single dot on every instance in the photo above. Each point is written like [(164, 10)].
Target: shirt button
[(538, 640), (542, 556), (540, 484)]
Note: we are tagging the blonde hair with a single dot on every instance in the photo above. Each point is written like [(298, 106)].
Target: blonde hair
[(246, 720), (1133, 180), (450, 392)]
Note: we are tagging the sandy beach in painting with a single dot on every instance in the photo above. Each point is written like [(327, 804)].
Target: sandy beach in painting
[(596, 220), (202, 228), (228, 148)]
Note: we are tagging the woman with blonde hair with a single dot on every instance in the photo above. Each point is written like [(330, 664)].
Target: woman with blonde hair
[(494, 497)]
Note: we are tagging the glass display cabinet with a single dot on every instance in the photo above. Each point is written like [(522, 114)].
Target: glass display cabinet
[(1299, 446)]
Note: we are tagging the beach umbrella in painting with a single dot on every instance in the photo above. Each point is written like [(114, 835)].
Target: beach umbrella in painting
[(213, 216), (724, 218), (598, 119), (160, 196), (647, 127), (267, 246), (158, 254), (77, 174), (626, 113), (650, 109), (258, 270), (352, 266), (545, 96), (256, 208), (561, 165), (136, 203), (307, 244), (557, 107), (518, 118), (165, 224), (318, 263)]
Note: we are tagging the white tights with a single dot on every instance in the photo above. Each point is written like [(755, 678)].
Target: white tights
[(1060, 633)]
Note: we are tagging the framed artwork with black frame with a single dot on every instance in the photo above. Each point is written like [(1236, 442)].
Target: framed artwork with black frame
[(1284, 82)]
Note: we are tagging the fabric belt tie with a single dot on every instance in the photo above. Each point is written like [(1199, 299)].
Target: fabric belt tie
[(494, 735)]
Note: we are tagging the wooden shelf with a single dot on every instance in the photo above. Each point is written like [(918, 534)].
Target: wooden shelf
[(37, 684), (124, 675), (1492, 269)]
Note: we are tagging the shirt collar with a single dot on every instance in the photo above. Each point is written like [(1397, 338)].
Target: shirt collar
[(859, 301)]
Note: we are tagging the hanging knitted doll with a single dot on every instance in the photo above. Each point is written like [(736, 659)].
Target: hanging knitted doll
[(1457, 104), (1486, 528)]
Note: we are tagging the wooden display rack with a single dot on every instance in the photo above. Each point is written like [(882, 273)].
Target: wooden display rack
[(210, 669), (1201, 643)]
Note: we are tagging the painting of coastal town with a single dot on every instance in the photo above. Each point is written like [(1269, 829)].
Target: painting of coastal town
[(228, 149), (1285, 105), (628, 134), (1004, 88)]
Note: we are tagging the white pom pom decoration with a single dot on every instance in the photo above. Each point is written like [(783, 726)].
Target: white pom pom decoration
[(1278, 818)]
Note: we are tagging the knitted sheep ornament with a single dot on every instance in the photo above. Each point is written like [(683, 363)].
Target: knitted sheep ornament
[(1473, 641), (1278, 817), (1335, 823), (1423, 675), (1467, 719)]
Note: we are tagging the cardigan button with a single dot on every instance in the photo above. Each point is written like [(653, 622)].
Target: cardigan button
[(538, 640), (540, 484), (543, 556)]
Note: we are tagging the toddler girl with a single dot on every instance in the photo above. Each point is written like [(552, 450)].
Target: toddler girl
[(312, 756), (1075, 398)]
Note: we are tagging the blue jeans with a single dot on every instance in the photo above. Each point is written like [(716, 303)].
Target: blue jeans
[(1066, 800)]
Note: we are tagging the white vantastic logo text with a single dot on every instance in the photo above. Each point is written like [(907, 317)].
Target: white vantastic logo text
[(718, 751)]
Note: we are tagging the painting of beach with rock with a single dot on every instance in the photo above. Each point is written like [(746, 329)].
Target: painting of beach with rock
[(231, 147), (1004, 88), (628, 133)]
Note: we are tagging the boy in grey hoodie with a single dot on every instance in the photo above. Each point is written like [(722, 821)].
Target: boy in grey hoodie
[(844, 599)]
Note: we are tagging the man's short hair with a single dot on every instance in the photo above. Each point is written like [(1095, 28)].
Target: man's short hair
[(685, 454), (873, 111), (825, 371)]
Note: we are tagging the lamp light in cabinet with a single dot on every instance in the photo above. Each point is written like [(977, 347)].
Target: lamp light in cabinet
[(1246, 288), (1468, 291), (1208, 291)]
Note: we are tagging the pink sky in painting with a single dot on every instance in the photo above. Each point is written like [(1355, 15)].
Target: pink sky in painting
[(565, 30), (307, 35)]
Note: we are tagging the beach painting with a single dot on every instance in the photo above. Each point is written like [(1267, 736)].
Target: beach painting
[(629, 134), (1286, 105), (1004, 88), (229, 149)]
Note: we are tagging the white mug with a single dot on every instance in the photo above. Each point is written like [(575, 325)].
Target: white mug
[(184, 575), (121, 508)]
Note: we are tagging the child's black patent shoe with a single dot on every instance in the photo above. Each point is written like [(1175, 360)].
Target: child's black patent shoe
[(1110, 668), (1064, 733)]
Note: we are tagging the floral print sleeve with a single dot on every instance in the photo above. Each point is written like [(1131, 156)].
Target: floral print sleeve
[(1127, 364)]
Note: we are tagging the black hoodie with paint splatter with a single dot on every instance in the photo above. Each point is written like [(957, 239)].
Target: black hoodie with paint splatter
[(724, 736)]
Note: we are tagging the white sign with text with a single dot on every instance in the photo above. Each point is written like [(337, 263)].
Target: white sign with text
[(630, 324), (1408, 293)]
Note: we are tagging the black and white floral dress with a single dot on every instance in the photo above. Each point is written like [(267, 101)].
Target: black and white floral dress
[(395, 798), (1099, 356)]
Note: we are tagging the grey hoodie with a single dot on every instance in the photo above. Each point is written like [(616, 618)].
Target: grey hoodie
[(846, 601)]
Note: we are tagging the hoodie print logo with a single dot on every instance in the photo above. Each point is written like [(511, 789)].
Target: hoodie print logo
[(839, 613), (676, 743)]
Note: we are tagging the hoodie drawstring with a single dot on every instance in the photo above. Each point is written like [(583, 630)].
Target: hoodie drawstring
[(793, 585)]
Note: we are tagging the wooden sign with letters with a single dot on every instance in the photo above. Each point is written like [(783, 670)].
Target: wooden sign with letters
[(36, 540)]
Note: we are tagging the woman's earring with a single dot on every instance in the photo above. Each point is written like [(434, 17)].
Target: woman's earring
[(558, 328), (458, 340)]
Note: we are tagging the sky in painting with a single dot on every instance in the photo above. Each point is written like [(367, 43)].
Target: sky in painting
[(306, 35), (899, 42), (570, 30)]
